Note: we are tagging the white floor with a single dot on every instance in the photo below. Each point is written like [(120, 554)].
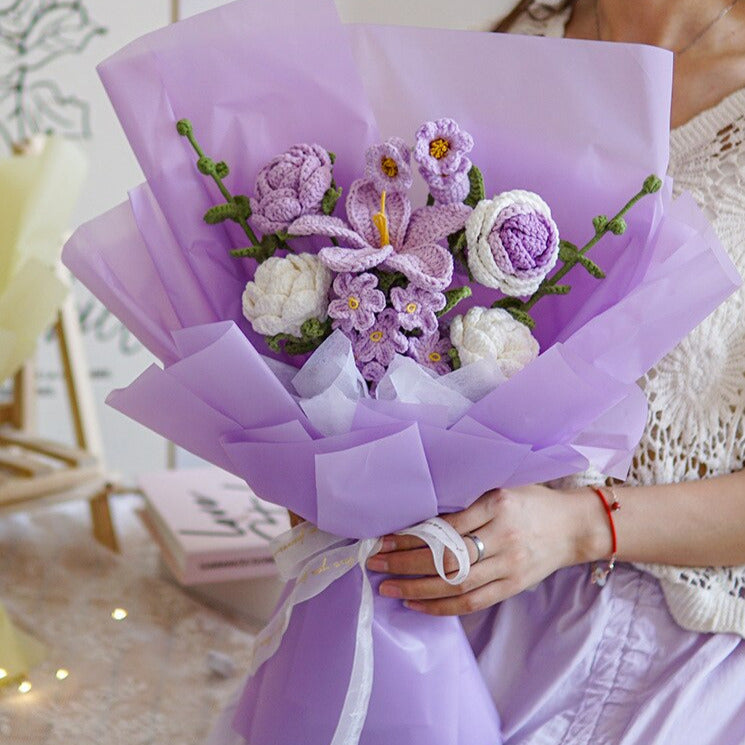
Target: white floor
[(143, 680)]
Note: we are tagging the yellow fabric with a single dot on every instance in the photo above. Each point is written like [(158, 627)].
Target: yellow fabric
[(38, 191), (18, 651)]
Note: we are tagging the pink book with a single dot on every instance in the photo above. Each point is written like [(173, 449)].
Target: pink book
[(210, 525)]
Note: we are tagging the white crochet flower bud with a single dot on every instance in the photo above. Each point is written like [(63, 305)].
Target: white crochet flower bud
[(285, 293), (493, 334)]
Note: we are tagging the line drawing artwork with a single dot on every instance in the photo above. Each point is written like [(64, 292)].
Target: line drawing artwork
[(33, 34)]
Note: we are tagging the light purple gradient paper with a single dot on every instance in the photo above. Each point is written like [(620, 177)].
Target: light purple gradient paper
[(581, 123)]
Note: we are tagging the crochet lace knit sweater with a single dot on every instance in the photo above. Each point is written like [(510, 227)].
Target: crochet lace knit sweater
[(696, 424)]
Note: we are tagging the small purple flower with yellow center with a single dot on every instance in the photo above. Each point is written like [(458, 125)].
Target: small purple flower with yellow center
[(432, 352), (441, 151), (379, 344), (357, 302), (417, 308), (388, 166)]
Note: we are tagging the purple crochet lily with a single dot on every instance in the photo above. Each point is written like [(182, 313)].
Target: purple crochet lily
[(388, 235), (357, 302)]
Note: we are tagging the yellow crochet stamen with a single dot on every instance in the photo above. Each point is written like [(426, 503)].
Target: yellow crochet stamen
[(411, 308), (389, 167), (380, 221), (376, 336), (435, 357), (354, 303), (439, 148)]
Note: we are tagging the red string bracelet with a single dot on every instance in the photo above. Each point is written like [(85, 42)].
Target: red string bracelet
[(600, 574)]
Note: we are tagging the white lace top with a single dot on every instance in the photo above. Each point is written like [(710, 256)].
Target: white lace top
[(696, 425)]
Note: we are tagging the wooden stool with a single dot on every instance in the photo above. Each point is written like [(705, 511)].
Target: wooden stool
[(35, 471)]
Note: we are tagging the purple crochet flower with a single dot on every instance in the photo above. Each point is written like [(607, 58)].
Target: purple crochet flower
[(357, 302), (388, 165), (417, 308), (382, 341), (432, 352), (513, 242), (291, 185), (441, 150), (402, 241)]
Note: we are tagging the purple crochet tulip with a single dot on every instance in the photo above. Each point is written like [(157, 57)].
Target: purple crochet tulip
[(388, 166), (408, 243), (417, 308), (513, 242), (291, 185), (357, 302), (382, 341), (441, 150), (432, 352)]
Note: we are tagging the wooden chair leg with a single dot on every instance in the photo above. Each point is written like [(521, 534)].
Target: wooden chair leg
[(103, 525)]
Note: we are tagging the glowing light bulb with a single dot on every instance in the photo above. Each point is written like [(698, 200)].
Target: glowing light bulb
[(25, 687), (3, 673), (119, 614), (61, 674)]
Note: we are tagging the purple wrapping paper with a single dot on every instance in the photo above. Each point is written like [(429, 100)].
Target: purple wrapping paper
[(580, 123)]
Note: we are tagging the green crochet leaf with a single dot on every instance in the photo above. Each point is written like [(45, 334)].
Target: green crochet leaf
[(454, 358), (453, 297), (568, 252), (478, 190), (507, 302), (388, 280), (220, 213), (243, 205), (457, 242), (522, 316), (330, 198), (556, 289), (250, 252), (591, 267)]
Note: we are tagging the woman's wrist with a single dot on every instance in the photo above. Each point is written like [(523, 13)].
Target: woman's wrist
[(589, 530)]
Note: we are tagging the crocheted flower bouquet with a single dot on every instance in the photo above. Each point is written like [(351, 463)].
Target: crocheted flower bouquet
[(385, 281), (321, 363)]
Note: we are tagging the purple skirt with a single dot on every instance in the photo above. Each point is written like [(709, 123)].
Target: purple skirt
[(570, 664)]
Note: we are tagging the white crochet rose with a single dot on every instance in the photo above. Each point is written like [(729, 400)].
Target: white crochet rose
[(493, 334), (285, 293), (513, 242)]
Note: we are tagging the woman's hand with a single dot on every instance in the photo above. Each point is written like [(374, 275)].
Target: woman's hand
[(528, 533)]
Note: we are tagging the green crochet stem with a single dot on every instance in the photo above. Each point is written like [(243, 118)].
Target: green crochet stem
[(217, 171), (570, 255)]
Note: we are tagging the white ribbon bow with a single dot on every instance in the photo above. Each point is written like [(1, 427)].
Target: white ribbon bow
[(315, 560)]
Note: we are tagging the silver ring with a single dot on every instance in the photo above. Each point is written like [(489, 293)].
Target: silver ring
[(480, 547)]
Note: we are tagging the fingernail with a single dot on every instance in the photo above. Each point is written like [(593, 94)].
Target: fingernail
[(390, 591), (389, 544), (377, 564), (413, 605)]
